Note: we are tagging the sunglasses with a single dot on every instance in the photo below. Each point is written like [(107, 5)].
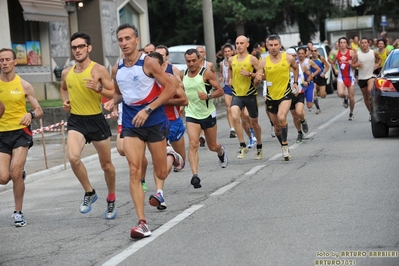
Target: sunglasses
[(80, 46), (314, 50)]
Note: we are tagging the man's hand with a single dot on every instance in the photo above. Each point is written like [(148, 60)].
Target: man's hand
[(202, 95), (66, 106), (140, 118), (92, 84), (109, 105)]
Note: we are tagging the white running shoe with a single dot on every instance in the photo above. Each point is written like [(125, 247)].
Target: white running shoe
[(178, 162), (286, 153)]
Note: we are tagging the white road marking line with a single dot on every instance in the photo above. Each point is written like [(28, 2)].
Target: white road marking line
[(275, 157), (338, 116), (293, 146), (329, 122), (143, 242), (311, 134), (222, 190), (255, 169)]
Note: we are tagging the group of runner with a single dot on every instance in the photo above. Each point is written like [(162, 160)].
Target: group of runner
[(146, 92)]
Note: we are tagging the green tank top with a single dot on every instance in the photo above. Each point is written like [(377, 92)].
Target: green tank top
[(197, 108)]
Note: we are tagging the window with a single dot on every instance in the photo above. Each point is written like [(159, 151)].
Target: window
[(128, 15), (21, 30)]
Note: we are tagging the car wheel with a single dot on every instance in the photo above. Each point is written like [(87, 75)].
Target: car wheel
[(379, 130), (329, 86)]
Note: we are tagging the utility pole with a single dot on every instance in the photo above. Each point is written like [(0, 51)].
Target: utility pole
[(209, 34)]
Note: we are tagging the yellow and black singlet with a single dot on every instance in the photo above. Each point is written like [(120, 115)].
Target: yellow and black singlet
[(12, 95), (242, 85), (277, 78)]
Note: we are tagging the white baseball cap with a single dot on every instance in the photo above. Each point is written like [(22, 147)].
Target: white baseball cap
[(291, 51)]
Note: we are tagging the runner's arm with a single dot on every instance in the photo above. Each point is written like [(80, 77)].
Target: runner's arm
[(30, 95), (180, 98), (106, 87), (378, 60), (354, 62), (260, 76), (326, 65), (117, 97), (66, 106), (230, 71), (217, 91)]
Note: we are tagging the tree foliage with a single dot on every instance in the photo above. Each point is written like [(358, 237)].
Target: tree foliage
[(176, 22)]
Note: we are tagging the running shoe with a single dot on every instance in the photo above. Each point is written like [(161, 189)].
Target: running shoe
[(318, 111), (259, 154), (310, 109), (178, 162), (305, 127), (85, 207), (196, 181), (19, 219), (225, 161), (111, 211), (202, 141), (286, 153), (351, 117), (144, 185), (345, 104), (242, 153), (252, 142), (272, 133), (140, 231), (299, 138), (157, 200), (233, 134)]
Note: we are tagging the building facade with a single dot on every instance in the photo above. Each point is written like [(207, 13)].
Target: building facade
[(39, 32)]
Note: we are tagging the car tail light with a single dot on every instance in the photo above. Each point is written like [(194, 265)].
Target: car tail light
[(384, 85)]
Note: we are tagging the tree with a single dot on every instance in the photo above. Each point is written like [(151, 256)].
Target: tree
[(243, 12)]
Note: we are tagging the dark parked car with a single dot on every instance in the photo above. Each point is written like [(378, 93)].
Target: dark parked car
[(385, 97)]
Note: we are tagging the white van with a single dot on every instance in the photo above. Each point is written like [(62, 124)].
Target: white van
[(176, 55)]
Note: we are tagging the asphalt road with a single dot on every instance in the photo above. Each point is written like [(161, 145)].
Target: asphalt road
[(335, 200)]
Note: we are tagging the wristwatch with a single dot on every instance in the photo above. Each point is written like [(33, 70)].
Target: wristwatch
[(100, 89), (209, 96), (32, 113), (148, 110)]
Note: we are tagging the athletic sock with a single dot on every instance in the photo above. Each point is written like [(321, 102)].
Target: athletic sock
[(279, 138), (90, 193), (284, 133), (316, 102), (111, 197)]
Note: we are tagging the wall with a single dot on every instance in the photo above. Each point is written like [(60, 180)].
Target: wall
[(89, 21), (5, 35)]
